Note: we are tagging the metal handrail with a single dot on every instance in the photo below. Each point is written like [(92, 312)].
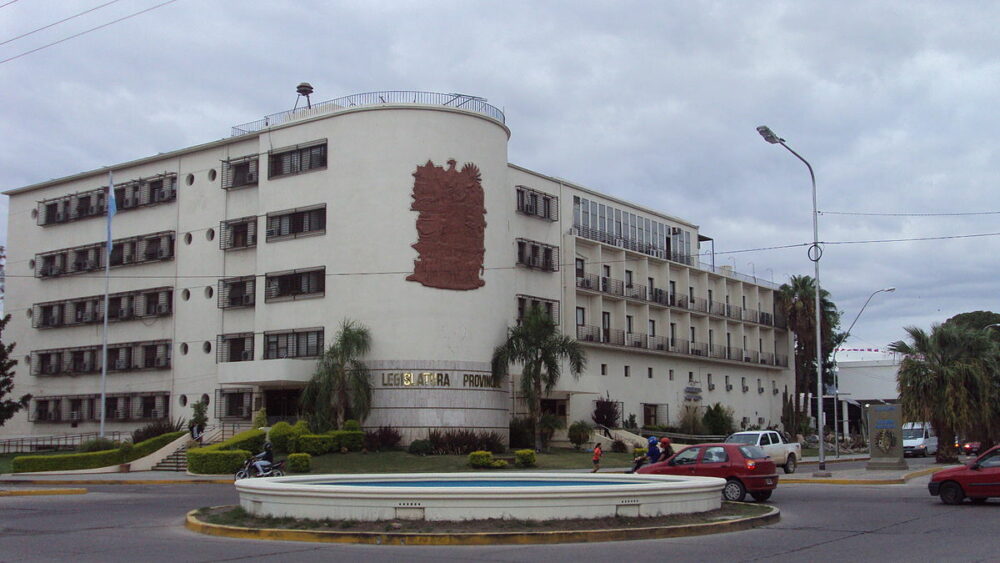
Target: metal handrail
[(458, 101), (54, 442)]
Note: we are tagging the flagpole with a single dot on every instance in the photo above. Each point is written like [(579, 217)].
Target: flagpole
[(112, 209)]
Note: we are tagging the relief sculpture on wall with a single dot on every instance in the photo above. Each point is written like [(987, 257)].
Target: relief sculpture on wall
[(451, 226)]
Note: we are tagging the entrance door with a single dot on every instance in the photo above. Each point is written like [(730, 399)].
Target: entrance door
[(282, 404)]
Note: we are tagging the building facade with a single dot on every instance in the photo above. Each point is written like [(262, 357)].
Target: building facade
[(233, 263)]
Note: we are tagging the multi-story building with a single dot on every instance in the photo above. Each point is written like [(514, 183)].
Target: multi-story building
[(234, 262)]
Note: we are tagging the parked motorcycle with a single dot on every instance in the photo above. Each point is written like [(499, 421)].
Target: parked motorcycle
[(248, 470)]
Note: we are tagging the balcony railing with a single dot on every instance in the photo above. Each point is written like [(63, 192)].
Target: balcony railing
[(618, 337), (389, 97)]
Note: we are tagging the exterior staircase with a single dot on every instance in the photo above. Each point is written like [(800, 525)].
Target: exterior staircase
[(176, 461)]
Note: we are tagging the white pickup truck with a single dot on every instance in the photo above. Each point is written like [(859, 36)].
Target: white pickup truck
[(785, 454)]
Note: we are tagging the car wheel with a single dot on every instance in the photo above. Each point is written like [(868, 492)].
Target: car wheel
[(734, 491), (277, 473), (241, 474), (951, 493), (761, 496), (790, 466), (978, 500)]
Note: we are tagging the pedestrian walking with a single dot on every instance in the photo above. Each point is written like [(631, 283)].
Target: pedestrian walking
[(598, 452)]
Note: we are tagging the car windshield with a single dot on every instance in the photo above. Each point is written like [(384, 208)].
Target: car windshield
[(912, 433), (752, 452), (742, 439)]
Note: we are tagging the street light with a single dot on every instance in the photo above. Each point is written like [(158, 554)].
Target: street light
[(815, 253), (836, 388)]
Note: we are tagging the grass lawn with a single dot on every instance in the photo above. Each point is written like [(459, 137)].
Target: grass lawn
[(402, 462)]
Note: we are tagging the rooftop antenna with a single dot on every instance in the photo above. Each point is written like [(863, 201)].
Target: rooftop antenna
[(303, 89)]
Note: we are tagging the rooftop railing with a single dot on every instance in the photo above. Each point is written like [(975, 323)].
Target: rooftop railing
[(458, 101)]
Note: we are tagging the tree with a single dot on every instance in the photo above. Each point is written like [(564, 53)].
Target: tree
[(948, 377), (976, 320), (718, 419), (8, 407), (340, 387), (540, 348), (797, 302), (607, 413)]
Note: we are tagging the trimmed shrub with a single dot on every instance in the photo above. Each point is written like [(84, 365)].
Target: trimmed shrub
[(279, 435), (421, 447), (353, 440), (481, 459), (316, 444), (259, 419), (228, 456), (579, 433), (498, 464), (143, 449), (299, 463), (525, 458), (88, 460), (215, 462), (97, 445), (157, 428), (351, 425)]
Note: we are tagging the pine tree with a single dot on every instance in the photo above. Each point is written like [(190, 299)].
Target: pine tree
[(8, 407)]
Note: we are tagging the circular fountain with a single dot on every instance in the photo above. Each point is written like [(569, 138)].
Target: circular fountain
[(478, 496)]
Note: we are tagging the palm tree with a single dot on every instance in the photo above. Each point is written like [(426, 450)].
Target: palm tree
[(540, 348), (947, 377), (797, 302), (341, 383)]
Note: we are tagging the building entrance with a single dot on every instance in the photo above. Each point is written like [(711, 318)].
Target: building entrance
[(282, 404)]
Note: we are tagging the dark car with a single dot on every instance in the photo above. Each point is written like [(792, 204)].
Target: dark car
[(746, 469), (978, 480)]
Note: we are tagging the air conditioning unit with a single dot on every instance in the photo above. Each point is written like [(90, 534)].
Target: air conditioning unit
[(124, 313), (155, 413), (251, 177), (248, 299), (52, 369), (128, 202), (711, 387), (55, 320), (164, 253), (86, 317), (162, 308), (747, 359), (93, 210), (55, 270), (121, 364), (74, 416), (246, 355), (162, 362), (272, 232), (60, 216), (729, 387), (84, 367), (127, 259), (745, 388), (120, 415), (760, 389), (574, 232), (160, 195)]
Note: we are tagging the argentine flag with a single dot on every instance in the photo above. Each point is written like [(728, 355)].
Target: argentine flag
[(112, 209)]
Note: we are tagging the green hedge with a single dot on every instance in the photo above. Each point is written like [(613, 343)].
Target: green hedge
[(525, 458), (279, 435), (353, 440), (228, 456), (333, 441), (92, 460), (299, 463), (315, 444), (481, 459)]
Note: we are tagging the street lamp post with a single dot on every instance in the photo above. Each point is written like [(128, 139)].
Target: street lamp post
[(815, 253), (836, 388)]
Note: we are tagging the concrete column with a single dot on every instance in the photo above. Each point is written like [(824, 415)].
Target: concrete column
[(844, 411)]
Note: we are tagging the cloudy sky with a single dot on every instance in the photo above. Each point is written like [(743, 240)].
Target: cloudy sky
[(653, 102)]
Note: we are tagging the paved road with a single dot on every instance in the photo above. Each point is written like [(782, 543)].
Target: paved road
[(819, 523)]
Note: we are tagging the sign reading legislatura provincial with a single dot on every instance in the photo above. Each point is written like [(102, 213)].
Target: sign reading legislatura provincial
[(440, 379)]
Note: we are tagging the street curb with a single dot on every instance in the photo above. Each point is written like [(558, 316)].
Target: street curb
[(845, 460), (481, 538), (42, 492), (116, 481), (900, 481)]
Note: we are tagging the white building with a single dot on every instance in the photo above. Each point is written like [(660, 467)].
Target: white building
[(235, 261)]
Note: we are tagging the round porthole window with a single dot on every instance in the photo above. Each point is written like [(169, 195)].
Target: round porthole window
[(204, 398), (34, 213), (184, 348), (207, 347), (211, 175), (210, 234), (186, 294), (183, 400), (190, 179), (188, 238), (30, 312), (209, 292), (31, 264)]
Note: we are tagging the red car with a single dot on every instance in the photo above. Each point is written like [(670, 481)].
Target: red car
[(971, 448), (746, 469), (978, 480)]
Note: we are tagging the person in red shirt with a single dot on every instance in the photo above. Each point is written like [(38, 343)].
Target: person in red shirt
[(597, 457)]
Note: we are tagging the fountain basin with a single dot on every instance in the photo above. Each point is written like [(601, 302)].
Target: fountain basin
[(478, 496)]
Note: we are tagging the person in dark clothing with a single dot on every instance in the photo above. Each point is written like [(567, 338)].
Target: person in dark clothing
[(652, 455), (666, 450), (264, 460)]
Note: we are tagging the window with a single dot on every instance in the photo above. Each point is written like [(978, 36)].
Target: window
[(538, 204), (690, 377), (579, 267), (527, 302), (628, 324), (652, 327), (604, 369), (628, 371), (239, 172), (715, 454), (234, 348), (297, 222), (237, 292), (670, 375), (238, 233), (295, 284), (649, 373), (296, 344), (581, 316), (649, 415), (296, 160), (537, 255)]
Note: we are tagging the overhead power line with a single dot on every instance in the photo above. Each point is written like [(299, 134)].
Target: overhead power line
[(5, 4), (56, 23), (75, 35)]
